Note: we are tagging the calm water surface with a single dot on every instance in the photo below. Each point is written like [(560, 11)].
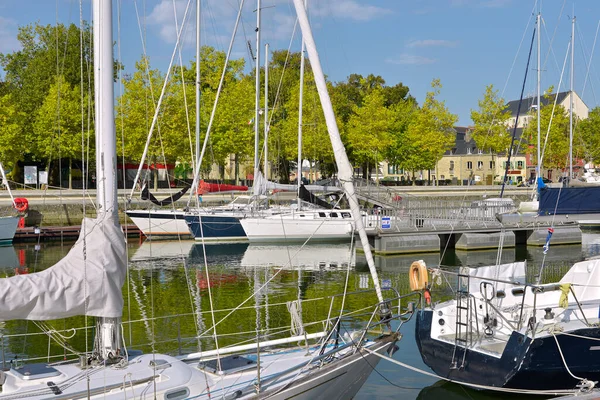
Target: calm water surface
[(168, 280)]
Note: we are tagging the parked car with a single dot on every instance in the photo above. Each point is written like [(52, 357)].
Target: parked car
[(531, 181)]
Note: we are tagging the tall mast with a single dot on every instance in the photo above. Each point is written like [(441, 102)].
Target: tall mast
[(299, 173), (106, 148), (257, 92), (108, 330), (341, 158), (197, 156), (539, 79), (571, 100), (266, 110)]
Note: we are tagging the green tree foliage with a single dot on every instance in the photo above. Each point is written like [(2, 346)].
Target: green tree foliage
[(58, 123), (555, 151), (11, 133), (430, 133), (369, 129), (402, 115), (46, 51), (490, 129), (588, 129)]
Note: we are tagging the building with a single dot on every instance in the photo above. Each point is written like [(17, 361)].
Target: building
[(467, 164)]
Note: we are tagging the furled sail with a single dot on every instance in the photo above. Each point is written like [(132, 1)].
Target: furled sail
[(87, 281), (262, 185), (146, 195)]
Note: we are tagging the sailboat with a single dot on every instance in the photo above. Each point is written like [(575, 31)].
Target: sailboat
[(8, 224), (89, 279)]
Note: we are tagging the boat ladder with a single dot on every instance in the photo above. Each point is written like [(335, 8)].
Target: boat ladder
[(463, 327)]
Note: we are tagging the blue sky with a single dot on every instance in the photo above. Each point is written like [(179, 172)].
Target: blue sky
[(468, 44)]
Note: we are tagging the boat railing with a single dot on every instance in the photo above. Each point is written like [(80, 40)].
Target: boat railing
[(317, 316)]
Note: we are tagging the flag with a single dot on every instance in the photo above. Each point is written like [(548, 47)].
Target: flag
[(251, 121), (547, 245)]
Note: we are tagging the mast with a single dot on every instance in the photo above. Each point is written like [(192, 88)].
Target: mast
[(299, 173), (198, 82), (539, 79), (108, 334), (266, 110), (571, 100), (341, 158), (257, 93)]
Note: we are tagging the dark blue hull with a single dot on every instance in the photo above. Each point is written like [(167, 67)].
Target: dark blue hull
[(215, 227), (524, 364), (570, 200)]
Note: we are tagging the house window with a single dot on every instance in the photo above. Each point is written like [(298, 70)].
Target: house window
[(451, 165), (479, 151), (468, 150), (479, 164), (469, 164), (442, 177), (453, 151), (492, 164), (520, 164)]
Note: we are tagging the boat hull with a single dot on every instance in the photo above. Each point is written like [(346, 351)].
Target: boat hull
[(524, 363), (215, 228), (8, 228), (160, 223)]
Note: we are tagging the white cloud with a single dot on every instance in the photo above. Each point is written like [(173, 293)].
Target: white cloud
[(163, 18), (8, 35), (411, 59), (348, 9), (431, 43)]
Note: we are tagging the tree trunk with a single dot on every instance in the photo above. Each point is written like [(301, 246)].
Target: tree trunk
[(236, 169), (70, 173)]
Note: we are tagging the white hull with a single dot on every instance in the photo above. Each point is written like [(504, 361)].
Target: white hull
[(8, 228), (298, 226), (298, 375), (165, 223)]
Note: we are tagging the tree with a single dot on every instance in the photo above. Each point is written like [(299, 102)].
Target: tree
[(31, 70), (403, 112), (11, 134), (430, 133), (490, 129), (555, 151), (58, 124), (588, 129), (370, 130)]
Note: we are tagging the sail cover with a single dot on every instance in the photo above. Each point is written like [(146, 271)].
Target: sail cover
[(87, 281)]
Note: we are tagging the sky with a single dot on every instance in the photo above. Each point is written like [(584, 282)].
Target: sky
[(468, 44)]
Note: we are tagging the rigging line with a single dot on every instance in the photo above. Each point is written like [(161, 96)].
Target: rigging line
[(590, 62), (183, 86), (510, 149), (519, 48), (160, 99), (583, 51), (553, 34), (555, 103), (212, 115)]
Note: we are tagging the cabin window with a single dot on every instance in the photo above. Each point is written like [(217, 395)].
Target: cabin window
[(333, 215), (322, 215), (177, 394), (346, 215)]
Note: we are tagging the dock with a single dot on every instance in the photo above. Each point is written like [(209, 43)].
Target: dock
[(49, 233)]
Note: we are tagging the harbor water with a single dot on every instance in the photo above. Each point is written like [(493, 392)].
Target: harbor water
[(172, 287)]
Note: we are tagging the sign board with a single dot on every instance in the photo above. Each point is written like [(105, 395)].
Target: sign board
[(386, 222), (386, 283), (43, 177), (31, 175)]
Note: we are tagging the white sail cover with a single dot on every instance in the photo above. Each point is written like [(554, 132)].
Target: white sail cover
[(87, 281), (262, 185)]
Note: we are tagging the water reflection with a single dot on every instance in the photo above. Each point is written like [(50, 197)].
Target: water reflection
[(169, 281)]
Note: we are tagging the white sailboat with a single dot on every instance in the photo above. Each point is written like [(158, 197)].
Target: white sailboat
[(89, 279), (8, 224)]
